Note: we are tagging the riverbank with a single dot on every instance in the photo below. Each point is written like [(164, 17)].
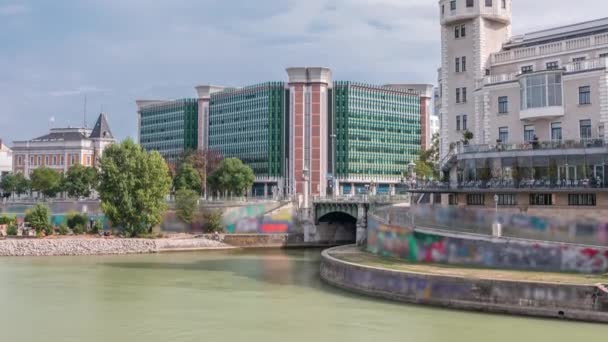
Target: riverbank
[(549, 295)]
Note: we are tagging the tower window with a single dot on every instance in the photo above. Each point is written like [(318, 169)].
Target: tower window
[(504, 3), (488, 3), (470, 3), (457, 64), (464, 63), (453, 5)]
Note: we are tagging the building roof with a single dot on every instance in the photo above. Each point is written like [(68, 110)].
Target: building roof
[(101, 129), (66, 134), (558, 33)]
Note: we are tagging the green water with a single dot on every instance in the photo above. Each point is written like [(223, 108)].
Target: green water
[(228, 296)]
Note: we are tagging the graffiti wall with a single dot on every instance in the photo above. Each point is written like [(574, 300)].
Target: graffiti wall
[(420, 245), (260, 219)]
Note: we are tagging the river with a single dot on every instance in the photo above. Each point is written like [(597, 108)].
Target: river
[(229, 296)]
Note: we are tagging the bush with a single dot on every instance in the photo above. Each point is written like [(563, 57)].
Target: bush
[(11, 230), (38, 217), (78, 230), (97, 227), (48, 230), (76, 219), (213, 221), (63, 229), (5, 220), (186, 204)]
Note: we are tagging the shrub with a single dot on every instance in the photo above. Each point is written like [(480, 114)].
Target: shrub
[(97, 227), (38, 217), (76, 219), (63, 229), (78, 230), (48, 230), (11, 230), (5, 220), (186, 204), (213, 221)]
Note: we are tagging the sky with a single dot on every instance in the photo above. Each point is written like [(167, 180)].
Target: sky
[(53, 52)]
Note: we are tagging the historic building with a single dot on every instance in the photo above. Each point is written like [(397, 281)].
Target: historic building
[(522, 117), (63, 147)]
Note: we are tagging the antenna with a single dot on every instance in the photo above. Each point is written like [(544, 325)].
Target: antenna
[(85, 111)]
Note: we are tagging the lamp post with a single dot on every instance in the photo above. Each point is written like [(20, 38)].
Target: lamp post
[(305, 178), (496, 226)]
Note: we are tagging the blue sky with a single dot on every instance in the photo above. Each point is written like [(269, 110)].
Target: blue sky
[(52, 52)]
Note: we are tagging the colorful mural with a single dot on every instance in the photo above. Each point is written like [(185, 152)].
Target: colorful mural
[(256, 219), (420, 245)]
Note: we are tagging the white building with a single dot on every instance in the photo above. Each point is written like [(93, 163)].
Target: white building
[(6, 160)]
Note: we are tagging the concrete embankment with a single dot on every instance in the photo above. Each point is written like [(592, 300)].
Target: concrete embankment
[(565, 296)]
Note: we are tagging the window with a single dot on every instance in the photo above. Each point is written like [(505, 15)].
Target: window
[(457, 95), (504, 3), (476, 199), (585, 129), (54, 160), (556, 131), (582, 200), (584, 95), (507, 199), (529, 133), (463, 31), (453, 199), (552, 65), (470, 3), (457, 31), (541, 91), (457, 64), (442, 9), (458, 122), (541, 199), (603, 55), (503, 105), (19, 161), (453, 5), (464, 63), (578, 59), (488, 3), (464, 95), (464, 122), (527, 69), (503, 134)]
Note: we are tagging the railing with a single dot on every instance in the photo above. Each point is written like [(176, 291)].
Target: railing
[(533, 184), (550, 48), (539, 145), (586, 65)]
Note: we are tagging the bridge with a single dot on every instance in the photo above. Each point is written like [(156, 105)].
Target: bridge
[(346, 217)]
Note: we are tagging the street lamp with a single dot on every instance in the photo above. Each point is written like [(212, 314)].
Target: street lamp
[(305, 177), (496, 226)]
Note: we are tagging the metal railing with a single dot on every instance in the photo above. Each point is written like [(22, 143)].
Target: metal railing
[(533, 145)]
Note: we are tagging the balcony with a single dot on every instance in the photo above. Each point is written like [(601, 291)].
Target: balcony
[(587, 65), (533, 114), (565, 46), (533, 146)]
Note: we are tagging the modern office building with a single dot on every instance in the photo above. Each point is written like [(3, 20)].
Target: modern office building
[(249, 123), (169, 127), (377, 134), (536, 104), (286, 131), (63, 147), (6, 160)]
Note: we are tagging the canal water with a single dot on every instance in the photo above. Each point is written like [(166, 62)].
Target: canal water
[(228, 296)]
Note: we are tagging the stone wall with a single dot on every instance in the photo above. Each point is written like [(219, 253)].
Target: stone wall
[(100, 246), (576, 302)]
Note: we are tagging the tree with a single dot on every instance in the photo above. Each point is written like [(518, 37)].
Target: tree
[(233, 177), (188, 178), (186, 204), (205, 162), (80, 181), (133, 185), (213, 221), (38, 217), (46, 181), (8, 184), (467, 136), (428, 163), (22, 184)]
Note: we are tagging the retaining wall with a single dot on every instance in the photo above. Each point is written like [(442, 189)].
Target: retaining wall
[(575, 302)]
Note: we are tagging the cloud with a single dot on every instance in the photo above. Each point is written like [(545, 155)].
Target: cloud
[(13, 9)]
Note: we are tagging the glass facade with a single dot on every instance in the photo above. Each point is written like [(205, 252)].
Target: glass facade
[(378, 130), (248, 124), (170, 128)]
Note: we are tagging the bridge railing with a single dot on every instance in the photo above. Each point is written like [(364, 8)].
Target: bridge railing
[(587, 231), (364, 199)]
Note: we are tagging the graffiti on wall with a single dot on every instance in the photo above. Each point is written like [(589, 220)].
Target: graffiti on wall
[(420, 246), (257, 219)]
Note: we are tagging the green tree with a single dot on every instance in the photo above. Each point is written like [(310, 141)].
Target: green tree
[(188, 178), (80, 181), (22, 184), (186, 204), (133, 185), (213, 221), (8, 183), (205, 162), (39, 217), (47, 181), (233, 177), (75, 219), (467, 136)]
